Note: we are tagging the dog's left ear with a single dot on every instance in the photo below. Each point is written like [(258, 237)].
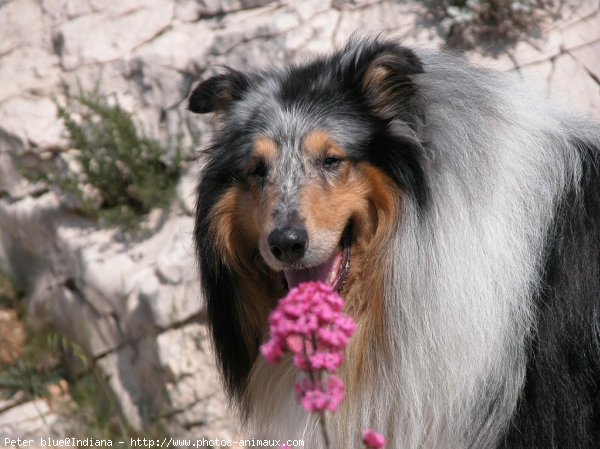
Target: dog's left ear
[(217, 93), (385, 74)]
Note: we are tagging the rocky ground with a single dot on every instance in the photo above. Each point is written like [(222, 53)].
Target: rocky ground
[(133, 303)]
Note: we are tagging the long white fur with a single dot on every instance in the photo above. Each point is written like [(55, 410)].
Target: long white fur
[(458, 300)]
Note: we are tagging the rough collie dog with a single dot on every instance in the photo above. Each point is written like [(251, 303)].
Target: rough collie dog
[(457, 213)]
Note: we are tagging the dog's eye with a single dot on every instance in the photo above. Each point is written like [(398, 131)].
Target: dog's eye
[(331, 162), (259, 171)]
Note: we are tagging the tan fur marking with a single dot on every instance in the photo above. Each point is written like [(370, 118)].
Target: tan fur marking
[(319, 143), (376, 76), (265, 148), (234, 228), (382, 86), (371, 200), (370, 257), (233, 225)]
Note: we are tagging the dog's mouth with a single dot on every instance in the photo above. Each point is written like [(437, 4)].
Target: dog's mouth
[(333, 272)]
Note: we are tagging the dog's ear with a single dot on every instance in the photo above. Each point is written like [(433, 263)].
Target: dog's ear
[(385, 74), (216, 93)]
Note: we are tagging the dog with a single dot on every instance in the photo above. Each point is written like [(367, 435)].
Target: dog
[(455, 209)]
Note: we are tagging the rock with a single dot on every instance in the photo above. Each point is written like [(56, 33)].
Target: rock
[(106, 79), (247, 55), (188, 10), (61, 10), (186, 352), (162, 306), (33, 121), (113, 32), (18, 398), (582, 32), (589, 56), (390, 17), (160, 86), (63, 305), (26, 237), (538, 75), (12, 184), (22, 24), (581, 96), (318, 33), (27, 411), (150, 288), (183, 48), (176, 264), (32, 420), (192, 381), (243, 26), (572, 13), (135, 384), (525, 52), (37, 79), (214, 7), (186, 190)]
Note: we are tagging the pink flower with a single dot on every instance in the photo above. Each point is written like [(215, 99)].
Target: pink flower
[(311, 314), (309, 323), (320, 396), (328, 361), (373, 440), (273, 350)]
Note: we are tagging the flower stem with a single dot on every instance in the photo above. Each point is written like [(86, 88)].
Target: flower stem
[(312, 377), (324, 430)]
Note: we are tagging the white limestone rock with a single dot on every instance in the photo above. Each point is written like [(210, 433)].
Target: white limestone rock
[(186, 191), (32, 420), (581, 96), (22, 23), (183, 48), (112, 33), (32, 121)]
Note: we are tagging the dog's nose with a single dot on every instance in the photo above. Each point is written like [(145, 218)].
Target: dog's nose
[(288, 244)]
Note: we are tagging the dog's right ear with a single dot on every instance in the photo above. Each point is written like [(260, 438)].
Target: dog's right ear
[(218, 92)]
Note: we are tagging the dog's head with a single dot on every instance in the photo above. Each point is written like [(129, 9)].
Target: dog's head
[(304, 182)]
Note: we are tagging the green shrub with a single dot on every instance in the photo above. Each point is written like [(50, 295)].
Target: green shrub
[(117, 173), (93, 411), (38, 365)]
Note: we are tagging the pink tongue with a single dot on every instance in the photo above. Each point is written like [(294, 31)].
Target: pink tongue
[(318, 273)]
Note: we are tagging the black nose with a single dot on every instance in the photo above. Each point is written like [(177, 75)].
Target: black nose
[(288, 244)]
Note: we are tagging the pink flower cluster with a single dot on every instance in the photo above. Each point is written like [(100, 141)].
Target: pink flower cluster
[(320, 395), (309, 322)]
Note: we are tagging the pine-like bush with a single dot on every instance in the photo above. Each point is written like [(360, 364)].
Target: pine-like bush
[(117, 173)]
